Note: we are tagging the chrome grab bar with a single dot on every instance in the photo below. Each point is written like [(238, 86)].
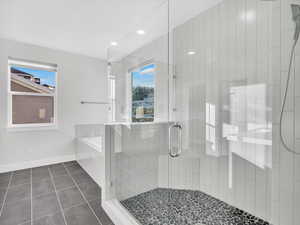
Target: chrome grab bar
[(179, 127)]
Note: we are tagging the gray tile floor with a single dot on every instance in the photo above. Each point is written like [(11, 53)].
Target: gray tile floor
[(60, 194)]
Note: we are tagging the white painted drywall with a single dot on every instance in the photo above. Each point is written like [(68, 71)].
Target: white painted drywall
[(79, 78), (82, 25)]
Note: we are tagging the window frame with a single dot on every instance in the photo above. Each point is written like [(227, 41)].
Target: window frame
[(30, 65), (130, 85), (112, 98)]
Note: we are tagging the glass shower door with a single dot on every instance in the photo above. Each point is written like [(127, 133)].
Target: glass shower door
[(138, 77), (224, 77), (196, 115)]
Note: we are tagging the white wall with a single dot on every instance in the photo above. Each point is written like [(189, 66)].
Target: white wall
[(79, 78)]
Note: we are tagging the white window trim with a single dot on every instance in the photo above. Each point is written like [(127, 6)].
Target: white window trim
[(112, 98), (129, 90), (31, 65)]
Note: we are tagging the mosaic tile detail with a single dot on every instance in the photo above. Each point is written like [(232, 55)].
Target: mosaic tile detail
[(185, 207)]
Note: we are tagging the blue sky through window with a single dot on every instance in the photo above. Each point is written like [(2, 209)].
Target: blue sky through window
[(46, 77), (144, 77)]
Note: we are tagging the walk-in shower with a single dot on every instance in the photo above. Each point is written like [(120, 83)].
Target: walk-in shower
[(200, 107)]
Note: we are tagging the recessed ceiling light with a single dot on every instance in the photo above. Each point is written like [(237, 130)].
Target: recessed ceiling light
[(140, 32), (113, 43), (191, 53)]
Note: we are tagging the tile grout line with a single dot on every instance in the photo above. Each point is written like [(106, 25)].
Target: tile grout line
[(24, 223), (17, 185), (73, 206), (98, 219), (51, 214), (63, 189), (56, 193), (5, 195), (31, 204)]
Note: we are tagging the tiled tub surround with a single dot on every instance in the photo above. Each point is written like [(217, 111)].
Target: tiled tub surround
[(185, 207), (60, 194)]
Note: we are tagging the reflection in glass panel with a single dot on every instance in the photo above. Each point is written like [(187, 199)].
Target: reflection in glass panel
[(256, 134)]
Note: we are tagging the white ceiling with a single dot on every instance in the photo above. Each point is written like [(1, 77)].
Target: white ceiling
[(87, 26)]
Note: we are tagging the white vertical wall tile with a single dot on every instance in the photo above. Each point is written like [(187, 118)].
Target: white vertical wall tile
[(239, 44)]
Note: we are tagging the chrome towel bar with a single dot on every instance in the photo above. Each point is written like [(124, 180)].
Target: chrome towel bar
[(96, 103)]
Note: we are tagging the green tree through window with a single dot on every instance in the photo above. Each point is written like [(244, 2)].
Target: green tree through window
[(143, 94)]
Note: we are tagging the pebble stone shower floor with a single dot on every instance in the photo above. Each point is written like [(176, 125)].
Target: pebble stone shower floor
[(60, 194), (185, 207)]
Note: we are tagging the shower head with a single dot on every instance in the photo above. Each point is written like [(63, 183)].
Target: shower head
[(295, 11), (296, 18)]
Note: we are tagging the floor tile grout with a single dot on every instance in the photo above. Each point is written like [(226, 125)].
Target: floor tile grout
[(40, 195), (5, 195), (17, 185), (50, 214), (66, 188), (19, 200), (98, 219), (70, 172), (28, 221), (60, 205), (73, 206)]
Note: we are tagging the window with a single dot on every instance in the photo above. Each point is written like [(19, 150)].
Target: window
[(32, 94), (142, 107)]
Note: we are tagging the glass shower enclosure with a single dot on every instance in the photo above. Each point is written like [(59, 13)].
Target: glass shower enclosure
[(195, 100)]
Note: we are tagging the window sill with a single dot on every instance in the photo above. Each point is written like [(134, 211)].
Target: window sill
[(21, 128)]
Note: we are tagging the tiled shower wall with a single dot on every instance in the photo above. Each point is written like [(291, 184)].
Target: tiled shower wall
[(228, 97), (286, 170), (224, 100), (136, 162)]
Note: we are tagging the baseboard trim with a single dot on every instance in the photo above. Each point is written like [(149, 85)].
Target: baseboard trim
[(36, 163)]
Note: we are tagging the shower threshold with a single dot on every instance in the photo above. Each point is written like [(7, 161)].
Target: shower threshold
[(163, 206)]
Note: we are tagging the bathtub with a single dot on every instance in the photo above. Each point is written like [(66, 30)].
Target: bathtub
[(95, 146), (90, 151)]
